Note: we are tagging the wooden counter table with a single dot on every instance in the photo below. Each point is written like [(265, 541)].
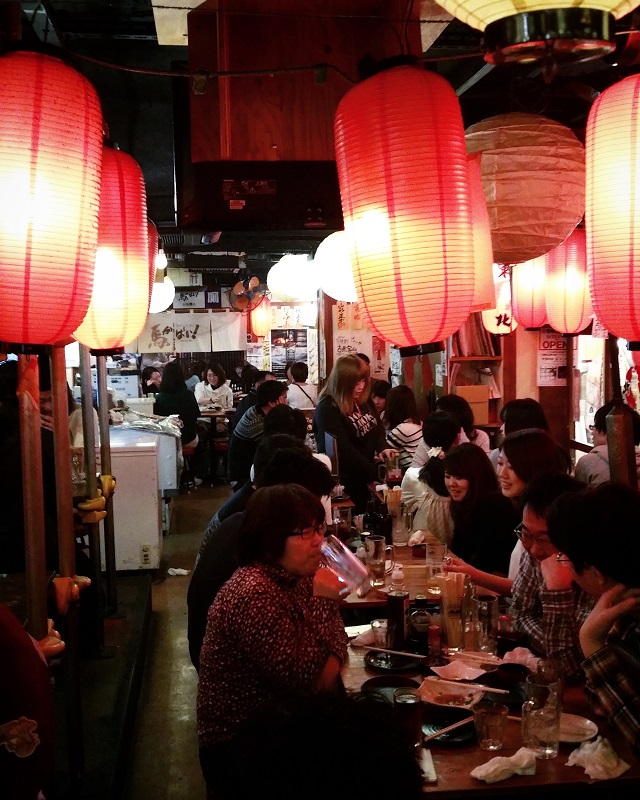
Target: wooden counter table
[(453, 763)]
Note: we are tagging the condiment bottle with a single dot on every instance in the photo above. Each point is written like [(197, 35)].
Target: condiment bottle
[(434, 644)]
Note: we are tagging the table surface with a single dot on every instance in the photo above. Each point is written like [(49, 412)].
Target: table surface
[(453, 763)]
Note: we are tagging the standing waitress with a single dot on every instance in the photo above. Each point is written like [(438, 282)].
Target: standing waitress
[(343, 410)]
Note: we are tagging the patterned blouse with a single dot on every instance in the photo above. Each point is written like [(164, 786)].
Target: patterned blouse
[(266, 634)]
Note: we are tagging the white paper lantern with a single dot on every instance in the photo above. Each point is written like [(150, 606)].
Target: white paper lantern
[(333, 265), (293, 278), (162, 296)]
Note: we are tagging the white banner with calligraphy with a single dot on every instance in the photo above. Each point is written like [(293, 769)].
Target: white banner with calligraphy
[(228, 331), (158, 334), (192, 332)]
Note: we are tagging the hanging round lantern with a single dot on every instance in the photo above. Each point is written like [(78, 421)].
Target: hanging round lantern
[(333, 265), (120, 300), (162, 290), (484, 293), (261, 318), (50, 151), (533, 175), (162, 295), (532, 29), (154, 251), (404, 186), (567, 292), (613, 211), (528, 289), (500, 320), (293, 278)]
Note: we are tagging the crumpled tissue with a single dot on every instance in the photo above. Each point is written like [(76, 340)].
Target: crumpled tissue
[(521, 655), (363, 639), (599, 759), (417, 537), (177, 571), (523, 762)]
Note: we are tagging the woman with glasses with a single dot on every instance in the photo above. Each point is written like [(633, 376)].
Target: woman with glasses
[(483, 518), (274, 627)]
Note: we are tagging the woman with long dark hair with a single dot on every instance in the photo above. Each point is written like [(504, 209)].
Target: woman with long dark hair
[(402, 420)]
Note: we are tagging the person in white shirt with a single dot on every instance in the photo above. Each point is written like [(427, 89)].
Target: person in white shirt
[(593, 468), (214, 389), (301, 394), (404, 432)]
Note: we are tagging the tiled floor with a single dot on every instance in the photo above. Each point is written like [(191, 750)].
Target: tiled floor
[(164, 763)]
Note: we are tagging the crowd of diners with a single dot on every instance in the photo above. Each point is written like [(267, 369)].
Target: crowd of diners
[(265, 625)]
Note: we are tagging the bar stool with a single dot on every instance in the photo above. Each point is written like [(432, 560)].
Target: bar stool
[(187, 478), (219, 448)]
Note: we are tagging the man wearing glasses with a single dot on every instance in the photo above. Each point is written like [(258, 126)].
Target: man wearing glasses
[(550, 607), (597, 529)]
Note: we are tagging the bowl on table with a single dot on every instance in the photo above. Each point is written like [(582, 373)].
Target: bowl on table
[(449, 695)]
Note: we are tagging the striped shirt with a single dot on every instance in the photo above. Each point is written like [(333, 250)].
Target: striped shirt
[(405, 438)]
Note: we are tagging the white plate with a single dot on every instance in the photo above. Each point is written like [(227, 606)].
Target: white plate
[(432, 691), (576, 729), (459, 670)]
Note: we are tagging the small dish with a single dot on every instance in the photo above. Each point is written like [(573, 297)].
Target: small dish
[(576, 729), (383, 686), (444, 694), (376, 660), (459, 670)]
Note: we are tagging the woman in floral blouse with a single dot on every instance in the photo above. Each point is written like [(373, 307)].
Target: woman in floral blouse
[(274, 627)]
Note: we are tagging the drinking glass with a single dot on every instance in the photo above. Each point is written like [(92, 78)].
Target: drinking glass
[(342, 523), (337, 557), (436, 553), (541, 714), (484, 620), (490, 720), (378, 553), (407, 705), (383, 635)]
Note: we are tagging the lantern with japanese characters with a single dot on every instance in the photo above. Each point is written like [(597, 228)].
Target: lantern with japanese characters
[(404, 186), (568, 301), (499, 320), (50, 154), (120, 301)]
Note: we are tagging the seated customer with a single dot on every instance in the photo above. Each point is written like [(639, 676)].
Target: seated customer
[(301, 394), (274, 627), (250, 399), (593, 468), (245, 436), (550, 607), (218, 560), (597, 531)]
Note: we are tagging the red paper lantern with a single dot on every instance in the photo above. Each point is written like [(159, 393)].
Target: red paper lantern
[(120, 300), (261, 318), (613, 210), (568, 301), (484, 294), (402, 168), (528, 293), (50, 151)]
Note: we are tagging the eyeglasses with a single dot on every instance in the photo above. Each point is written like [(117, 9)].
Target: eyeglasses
[(310, 532), (562, 559), (529, 538)]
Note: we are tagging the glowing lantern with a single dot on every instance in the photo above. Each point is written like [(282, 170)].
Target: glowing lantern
[(162, 290), (293, 278), (529, 29), (533, 177), (261, 318), (484, 294), (568, 302), (333, 265), (613, 211), (499, 320), (120, 301), (528, 287), (403, 175), (162, 295), (50, 151)]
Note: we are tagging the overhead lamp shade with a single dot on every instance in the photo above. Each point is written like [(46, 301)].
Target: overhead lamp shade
[(293, 279), (333, 265), (528, 288), (261, 318), (533, 175), (567, 292), (162, 295), (484, 292), (500, 320), (50, 152), (403, 175), (120, 301), (613, 210)]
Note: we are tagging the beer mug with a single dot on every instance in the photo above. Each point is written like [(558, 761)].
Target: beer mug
[(337, 557)]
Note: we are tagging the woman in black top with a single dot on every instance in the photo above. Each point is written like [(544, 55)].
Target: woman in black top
[(342, 410), (175, 398), (483, 518)]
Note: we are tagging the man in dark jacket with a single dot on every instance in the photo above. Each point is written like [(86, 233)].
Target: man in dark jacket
[(250, 399)]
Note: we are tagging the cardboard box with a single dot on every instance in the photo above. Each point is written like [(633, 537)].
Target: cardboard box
[(478, 398)]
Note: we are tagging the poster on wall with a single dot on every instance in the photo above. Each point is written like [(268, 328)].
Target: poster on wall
[(552, 358), (349, 341), (287, 345), (258, 354)]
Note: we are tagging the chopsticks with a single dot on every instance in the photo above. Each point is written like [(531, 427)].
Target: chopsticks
[(458, 684), (391, 652), (455, 725)]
